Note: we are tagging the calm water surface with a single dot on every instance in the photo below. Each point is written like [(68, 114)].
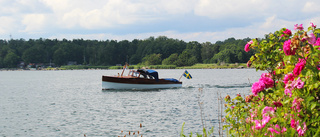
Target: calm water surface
[(71, 103)]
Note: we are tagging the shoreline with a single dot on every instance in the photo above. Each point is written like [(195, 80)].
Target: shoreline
[(103, 69), (83, 67)]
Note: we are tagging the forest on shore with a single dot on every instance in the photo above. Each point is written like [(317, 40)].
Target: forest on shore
[(151, 51)]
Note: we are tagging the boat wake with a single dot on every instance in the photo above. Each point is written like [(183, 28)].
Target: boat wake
[(244, 85)]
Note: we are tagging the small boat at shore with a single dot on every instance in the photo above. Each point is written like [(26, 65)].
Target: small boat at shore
[(139, 79)]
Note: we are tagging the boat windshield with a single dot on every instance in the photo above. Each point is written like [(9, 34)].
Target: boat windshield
[(134, 73)]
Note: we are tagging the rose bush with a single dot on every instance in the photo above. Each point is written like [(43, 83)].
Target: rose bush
[(285, 101)]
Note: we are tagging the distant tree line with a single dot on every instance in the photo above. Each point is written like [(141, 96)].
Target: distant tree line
[(150, 51)]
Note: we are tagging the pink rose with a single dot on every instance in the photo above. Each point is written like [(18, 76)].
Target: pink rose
[(283, 130), (276, 130), (272, 130), (261, 123), (267, 110), (287, 48), (247, 47), (312, 25), (287, 78), (288, 91), (311, 39), (277, 104), (302, 131), (287, 32), (293, 124), (257, 87), (298, 83), (299, 27), (265, 120), (257, 124), (296, 105), (268, 82), (299, 67), (317, 42)]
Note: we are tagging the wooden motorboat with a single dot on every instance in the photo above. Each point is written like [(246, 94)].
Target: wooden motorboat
[(139, 79)]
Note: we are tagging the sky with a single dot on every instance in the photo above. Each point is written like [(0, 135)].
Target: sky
[(188, 20)]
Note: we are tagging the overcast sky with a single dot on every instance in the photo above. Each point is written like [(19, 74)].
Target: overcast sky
[(188, 20)]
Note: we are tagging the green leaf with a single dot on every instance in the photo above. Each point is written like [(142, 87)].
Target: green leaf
[(204, 132), (314, 104), (317, 31), (310, 98), (318, 132), (309, 28), (181, 133), (278, 71), (287, 101), (210, 131)]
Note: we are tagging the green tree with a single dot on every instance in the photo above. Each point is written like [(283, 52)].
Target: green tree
[(223, 56), (34, 55), (111, 52), (1, 62), (153, 59), (186, 58), (59, 57), (206, 52), (171, 60), (11, 60), (195, 50)]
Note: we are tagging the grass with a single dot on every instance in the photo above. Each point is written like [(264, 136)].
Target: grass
[(215, 66), (196, 66)]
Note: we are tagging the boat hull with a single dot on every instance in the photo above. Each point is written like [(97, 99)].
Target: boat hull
[(112, 85), (109, 82)]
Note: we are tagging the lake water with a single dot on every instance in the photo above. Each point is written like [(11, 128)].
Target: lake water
[(71, 103)]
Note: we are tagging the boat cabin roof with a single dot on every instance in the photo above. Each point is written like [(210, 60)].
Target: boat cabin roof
[(149, 72)]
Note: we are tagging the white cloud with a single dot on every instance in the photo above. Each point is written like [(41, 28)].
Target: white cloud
[(34, 23), (144, 18), (230, 8), (7, 25), (256, 9), (114, 13), (58, 6), (92, 15), (316, 21), (175, 6), (255, 30), (273, 23), (311, 7)]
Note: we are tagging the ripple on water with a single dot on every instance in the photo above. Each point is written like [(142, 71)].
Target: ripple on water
[(71, 103)]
